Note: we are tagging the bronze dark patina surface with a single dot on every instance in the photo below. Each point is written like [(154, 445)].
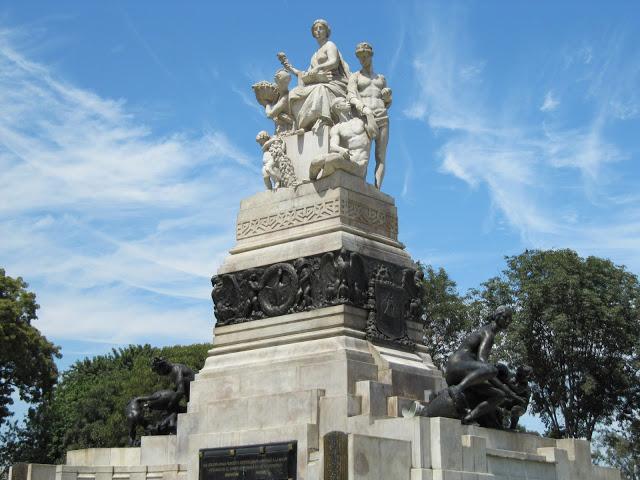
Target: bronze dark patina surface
[(391, 294)]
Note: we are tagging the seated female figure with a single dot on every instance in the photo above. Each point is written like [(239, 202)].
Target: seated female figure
[(324, 81)]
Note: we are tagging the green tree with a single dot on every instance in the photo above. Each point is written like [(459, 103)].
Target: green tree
[(619, 446), (445, 315), (86, 409), (449, 316), (27, 358), (577, 325), (621, 449)]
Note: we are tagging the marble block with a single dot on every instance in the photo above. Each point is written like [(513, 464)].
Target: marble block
[(339, 211), (302, 149), (375, 458)]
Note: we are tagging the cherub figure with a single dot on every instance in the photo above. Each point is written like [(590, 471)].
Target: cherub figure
[(270, 172), (305, 270), (280, 111), (254, 286)]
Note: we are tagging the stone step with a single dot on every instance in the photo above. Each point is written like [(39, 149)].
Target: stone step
[(245, 413), (396, 404), (373, 397)]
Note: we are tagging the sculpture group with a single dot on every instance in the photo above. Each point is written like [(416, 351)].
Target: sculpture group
[(479, 392), (166, 404), (353, 106)]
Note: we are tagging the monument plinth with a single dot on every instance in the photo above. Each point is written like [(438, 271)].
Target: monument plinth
[(317, 349), (339, 211)]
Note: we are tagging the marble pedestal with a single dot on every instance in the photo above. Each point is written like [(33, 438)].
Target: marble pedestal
[(340, 211), (299, 377), (294, 377)]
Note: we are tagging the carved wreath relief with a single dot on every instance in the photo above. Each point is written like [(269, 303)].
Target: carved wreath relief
[(391, 295)]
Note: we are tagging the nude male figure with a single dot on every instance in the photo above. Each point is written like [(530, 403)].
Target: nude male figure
[(367, 91), (349, 144), (468, 370), (180, 375)]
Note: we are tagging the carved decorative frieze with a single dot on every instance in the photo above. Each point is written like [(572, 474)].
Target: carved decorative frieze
[(347, 209), (361, 213), (391, 294), (288, 218)]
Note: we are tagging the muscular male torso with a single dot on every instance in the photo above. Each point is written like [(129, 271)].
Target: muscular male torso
[(370, 92), (354, 137)]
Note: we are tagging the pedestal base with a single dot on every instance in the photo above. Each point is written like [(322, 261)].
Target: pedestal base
[(301, 377), (340, 211)]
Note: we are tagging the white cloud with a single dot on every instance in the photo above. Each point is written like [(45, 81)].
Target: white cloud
[(472, 71), (117, 229), (550, 102), (416, 111), (102, 319), (551, 181), (624, 111)]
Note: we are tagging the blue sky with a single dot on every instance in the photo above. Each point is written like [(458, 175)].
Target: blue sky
[(127, 142)]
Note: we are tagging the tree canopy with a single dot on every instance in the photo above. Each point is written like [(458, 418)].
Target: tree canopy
[(27, 358), (621, 449), (447, 316), (576, 323)]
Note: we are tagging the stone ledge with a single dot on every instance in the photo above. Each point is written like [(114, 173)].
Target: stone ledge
[(328, 318), (281, 340), (530, 457), (331, 240), (104, 456), (123, 469), (504, 440), (336, 180), (340, 201), (278, 238)]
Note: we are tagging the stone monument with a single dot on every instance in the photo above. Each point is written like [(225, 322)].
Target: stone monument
[(317, 344)]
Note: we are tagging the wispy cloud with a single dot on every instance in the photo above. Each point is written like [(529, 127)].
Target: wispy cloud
[(550, 102), (397, 52), (146, 46), (117, 229), (551, 180), (472, 71), (248, 100)]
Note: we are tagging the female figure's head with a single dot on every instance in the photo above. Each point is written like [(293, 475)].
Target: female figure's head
[(320, 29)]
